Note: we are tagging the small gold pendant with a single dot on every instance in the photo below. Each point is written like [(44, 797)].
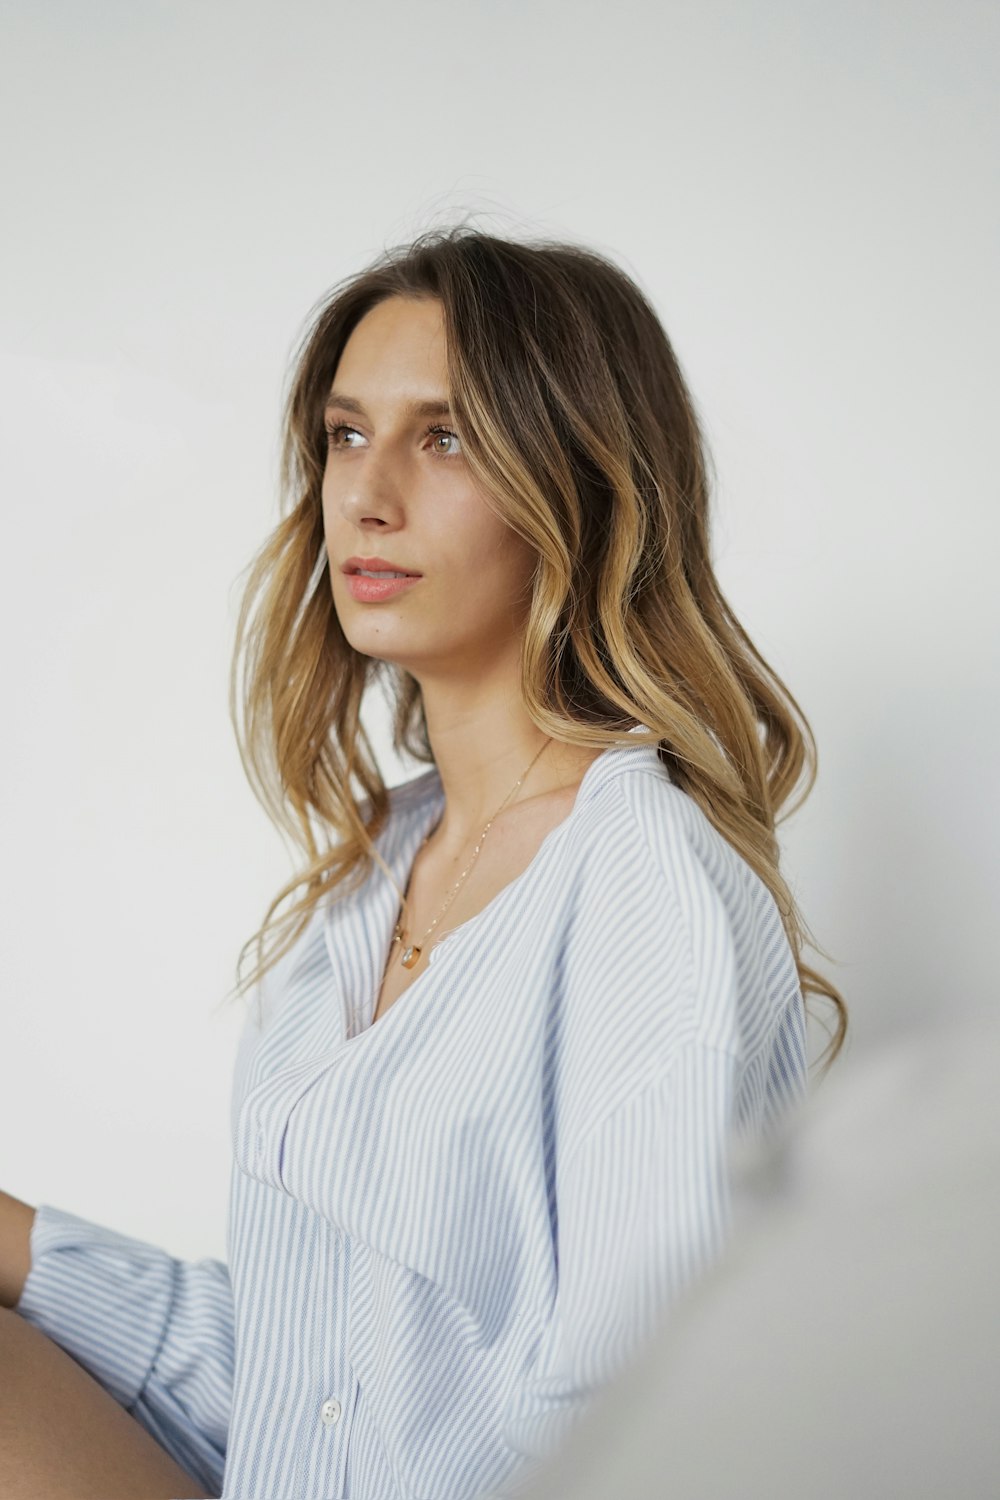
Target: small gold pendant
[(410, 956)]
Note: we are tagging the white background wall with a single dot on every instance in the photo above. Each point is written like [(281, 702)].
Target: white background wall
[(807, 194)]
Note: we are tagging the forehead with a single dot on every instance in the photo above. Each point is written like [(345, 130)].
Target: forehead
[(398, 334)]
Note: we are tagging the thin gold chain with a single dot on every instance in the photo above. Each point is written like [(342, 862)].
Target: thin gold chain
[(411, 954)]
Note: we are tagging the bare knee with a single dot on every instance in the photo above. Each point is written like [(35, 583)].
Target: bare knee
[(63, 1436)]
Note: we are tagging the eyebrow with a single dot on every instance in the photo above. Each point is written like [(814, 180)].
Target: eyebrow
[(411, 408)]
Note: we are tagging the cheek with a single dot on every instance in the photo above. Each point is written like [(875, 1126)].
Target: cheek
[(326, 499), (333, 521), (504, 577)]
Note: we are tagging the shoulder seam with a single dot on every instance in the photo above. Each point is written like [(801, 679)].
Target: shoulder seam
[(661, 874), (678, 834), (692, 1041)]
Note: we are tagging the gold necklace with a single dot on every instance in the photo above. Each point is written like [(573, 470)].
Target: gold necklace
[(411, 953)]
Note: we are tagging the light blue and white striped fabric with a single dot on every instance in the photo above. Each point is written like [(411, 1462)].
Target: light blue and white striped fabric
[(453, 1227)]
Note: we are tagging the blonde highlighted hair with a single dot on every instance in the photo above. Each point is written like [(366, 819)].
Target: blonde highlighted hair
[(578, 426)]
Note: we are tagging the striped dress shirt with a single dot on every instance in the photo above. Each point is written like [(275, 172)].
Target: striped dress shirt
[(451, 1229)]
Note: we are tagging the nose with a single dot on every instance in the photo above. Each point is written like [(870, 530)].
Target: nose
[(372, 489)]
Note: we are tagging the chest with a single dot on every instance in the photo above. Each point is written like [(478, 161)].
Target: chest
[(506, 853)]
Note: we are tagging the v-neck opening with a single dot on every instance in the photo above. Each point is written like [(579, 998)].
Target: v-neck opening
[(431, 803)]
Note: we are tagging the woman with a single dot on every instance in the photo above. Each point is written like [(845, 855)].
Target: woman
[(524, 1002)]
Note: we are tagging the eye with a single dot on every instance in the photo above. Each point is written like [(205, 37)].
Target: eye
[(332, 433), (444, 432)]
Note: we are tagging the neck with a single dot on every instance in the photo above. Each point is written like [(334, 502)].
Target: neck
[(479, 778), (480, 756)]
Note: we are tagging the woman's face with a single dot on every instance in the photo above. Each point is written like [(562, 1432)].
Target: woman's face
[(395, 489)]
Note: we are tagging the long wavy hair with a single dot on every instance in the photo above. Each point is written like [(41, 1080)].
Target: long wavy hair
[(578, 426)]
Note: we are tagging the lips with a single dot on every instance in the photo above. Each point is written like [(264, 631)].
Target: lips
[(374, 590), (377, 565)]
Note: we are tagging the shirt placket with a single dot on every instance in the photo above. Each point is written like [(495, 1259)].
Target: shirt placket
[(328, 1419)]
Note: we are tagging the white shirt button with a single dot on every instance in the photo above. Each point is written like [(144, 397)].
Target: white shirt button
[(330, 1412)]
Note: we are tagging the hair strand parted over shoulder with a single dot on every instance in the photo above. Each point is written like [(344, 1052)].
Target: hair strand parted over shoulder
[(577, 423)]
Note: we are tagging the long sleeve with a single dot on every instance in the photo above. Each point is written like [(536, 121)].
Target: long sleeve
[(713, 1054), (155, 1331), (643, 1209)]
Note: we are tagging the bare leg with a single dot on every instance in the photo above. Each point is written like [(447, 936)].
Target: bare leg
[(64, 1437)]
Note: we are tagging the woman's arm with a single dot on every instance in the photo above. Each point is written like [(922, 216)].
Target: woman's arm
[(685, 1035), (155, 1331), (643, 1211), (16, 1219)]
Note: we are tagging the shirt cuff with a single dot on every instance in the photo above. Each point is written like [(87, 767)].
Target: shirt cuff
[(102, 1296)]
